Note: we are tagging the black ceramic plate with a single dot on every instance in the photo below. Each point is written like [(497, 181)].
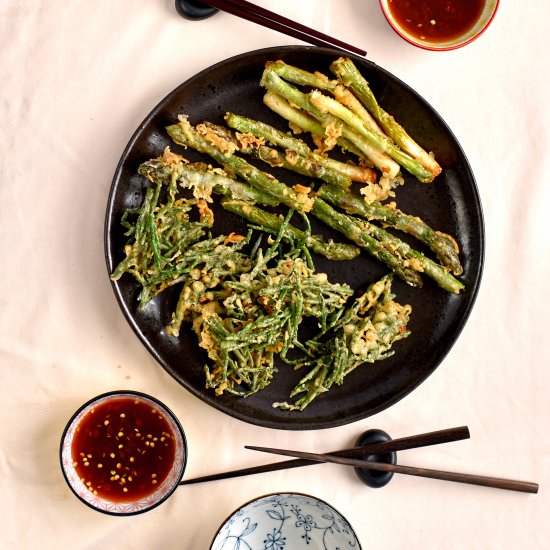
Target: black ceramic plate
[(451, 204)]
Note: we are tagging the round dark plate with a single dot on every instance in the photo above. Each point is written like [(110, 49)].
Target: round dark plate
[(450, 204)]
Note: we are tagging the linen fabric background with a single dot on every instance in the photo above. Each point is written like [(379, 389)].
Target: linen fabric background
[(76, 80)]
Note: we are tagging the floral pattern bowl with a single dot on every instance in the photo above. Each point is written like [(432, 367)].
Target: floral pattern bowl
[(286, 521)]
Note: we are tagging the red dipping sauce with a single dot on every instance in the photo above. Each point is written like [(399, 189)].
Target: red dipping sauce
[(436, 20), (123, 449)]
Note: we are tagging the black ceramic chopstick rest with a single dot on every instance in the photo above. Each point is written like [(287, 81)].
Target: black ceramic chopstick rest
[(194, 10)]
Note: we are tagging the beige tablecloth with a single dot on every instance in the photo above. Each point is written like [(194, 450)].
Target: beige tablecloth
[(76, 80)]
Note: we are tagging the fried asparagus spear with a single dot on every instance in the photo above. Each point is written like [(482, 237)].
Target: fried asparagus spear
[(289, 159), (320, 81), (299, 121), (332, 125), (443, 245), (297, 149), (380, 190), (333, 114), (258, 216), (239, 198), (350, 76), (385, 244), (185, 134), (174, 168), (352, 90)]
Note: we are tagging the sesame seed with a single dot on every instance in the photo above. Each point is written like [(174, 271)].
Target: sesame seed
[(106, 423), (122, 415)]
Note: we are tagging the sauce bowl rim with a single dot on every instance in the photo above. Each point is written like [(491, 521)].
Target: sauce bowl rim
[(459, 42), (130, 508)]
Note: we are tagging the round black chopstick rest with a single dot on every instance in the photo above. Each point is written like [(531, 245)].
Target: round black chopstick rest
[(375, 478), (194, 10)]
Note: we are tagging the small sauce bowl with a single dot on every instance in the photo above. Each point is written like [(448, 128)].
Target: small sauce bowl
[(123, 453), (439, 25)]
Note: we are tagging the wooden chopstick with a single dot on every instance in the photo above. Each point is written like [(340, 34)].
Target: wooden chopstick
[(400, 444), (274, 21), (486, 481)]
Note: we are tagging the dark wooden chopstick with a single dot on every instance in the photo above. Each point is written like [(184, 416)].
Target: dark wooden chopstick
[(274, 21), (400, 444), (486, 481)]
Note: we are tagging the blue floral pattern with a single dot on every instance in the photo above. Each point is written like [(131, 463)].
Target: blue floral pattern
[(286, 521)]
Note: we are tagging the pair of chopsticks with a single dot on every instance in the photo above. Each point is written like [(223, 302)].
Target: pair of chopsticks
[(348, 458), (256, 14)]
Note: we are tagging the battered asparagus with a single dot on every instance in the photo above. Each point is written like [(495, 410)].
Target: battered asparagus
[(239, 199), (347, 72), (184, 134), (269, 133), (200, 178), (443, 245), (326, 104), (329, 249), (306, 165), (369, 148), (353, 231), (415, 259), (300, 149), (321, 81)]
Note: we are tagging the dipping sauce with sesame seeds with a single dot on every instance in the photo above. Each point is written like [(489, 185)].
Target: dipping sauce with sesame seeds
[(123, 449), (436, 20)]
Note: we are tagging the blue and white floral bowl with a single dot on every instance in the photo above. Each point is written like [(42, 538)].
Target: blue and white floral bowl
[(286, 521)]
